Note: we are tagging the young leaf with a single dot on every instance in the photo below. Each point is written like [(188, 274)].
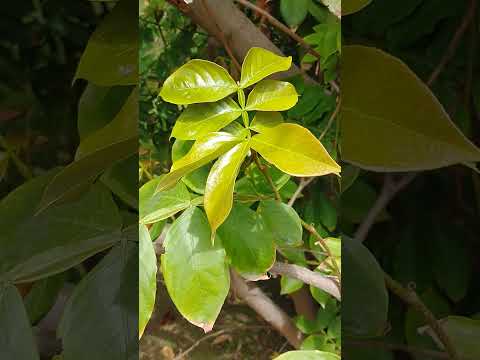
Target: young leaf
[(16, 340), (197, 179), (248, 243), (283, 221), (294, 150), (394, 126), (308, 355), (200, 119), (195, 271), (147, 273), (272, 95), (111, 56), (198, 81), (294, 11), (351, 6), (265, 120), (203, 151), (221, 182), (260, 63), (156, 206)]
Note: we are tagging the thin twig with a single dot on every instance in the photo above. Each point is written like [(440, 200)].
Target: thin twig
[(388, 192), (304, 182), (195, 345), (307, 276), (452, 47), (409, 296), (265, 173), (331, 119)]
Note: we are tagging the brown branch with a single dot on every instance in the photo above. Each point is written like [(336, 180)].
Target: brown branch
[(388, 192), (304, 182), (409, 296), (308, 277), (452, 47), (254, 297)]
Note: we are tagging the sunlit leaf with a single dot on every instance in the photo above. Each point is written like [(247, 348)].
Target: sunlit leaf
[(308, 355), (221, 182), (198, 81), (200, 119), (294, 150), (264, 120), (203, 151), (272, 95), (248, 242), (147, 282), (197, 179), (260, 63), (156, 206), (17, 340), (394, 125), (195, 270)]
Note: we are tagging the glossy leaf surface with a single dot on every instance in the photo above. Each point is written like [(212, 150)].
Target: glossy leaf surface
[(394, 126), (294, 150), (195, 271), (248, 242), (265, 120), (147, 273), (200, 119), (283, 221), (198, 81), (156, 206), (16, 340), (111, 56), (105, 294), (260, 63), (221, 182), (272, 95), (202, 152), (197, 179)]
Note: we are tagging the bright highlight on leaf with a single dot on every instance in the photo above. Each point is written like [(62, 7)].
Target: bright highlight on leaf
[(294, 150), (272, 95), (264, 121)]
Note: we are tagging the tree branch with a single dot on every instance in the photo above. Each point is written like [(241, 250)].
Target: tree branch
[(308, 277)]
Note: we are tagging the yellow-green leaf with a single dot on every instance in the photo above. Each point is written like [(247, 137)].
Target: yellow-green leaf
[(272, 95), (265, 120), (195, 270), (198, 81), (220, 184), (391, 121), (351, 6), (200, 119), (147, 273), (260, 63), (202, 152), (308, 355), (294, 150)]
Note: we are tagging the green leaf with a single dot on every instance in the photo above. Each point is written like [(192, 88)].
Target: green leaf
[(260, 63), (272, 95), (197, 179), (294, 150), (198, 81), (157, 206), (294, 11), (464, 333), (195, 271), (283, 221), (111, 56), (265, 121), (114, 142), (308, 355), (289, 285), (100, 320), (122, 179), (248, 243), (364, 313), (352, 6), (200, 119), (147, 282), (221, 182), (203, 151), (320, 296), (65, 235), (394, 126), (326, 39), (336, 6), (98, 105), (16, 340)]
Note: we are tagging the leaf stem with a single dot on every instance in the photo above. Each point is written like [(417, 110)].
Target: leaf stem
[(265, 173)]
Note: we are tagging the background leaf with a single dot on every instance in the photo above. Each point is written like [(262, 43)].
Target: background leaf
[(147, 282)]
